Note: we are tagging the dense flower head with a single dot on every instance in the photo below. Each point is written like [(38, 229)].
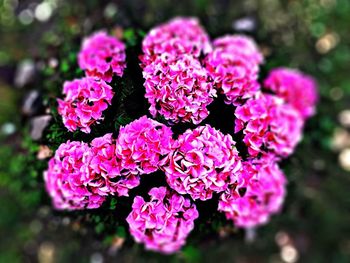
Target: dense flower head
[(177, 37), (294, 87), (164, 222), (142, 144), (84, 102), (180, 89), (269, 124), (240, 44), (203, 161), (102, 56), (234, 66), (258, 194), (68, 179), (106, 168)]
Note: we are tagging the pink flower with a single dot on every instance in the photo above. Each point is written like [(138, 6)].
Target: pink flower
[(242, 45), (179, 36), (85, 100), (106, 167), (295, 88), (258, 194), (204, 161), (234, 66), (164, 222), (68, 179), (269, 124), (179, 89), (141, 145), (102, 56)]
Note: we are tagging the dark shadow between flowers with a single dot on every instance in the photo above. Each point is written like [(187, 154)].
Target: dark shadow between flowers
[(222, 118), (128, 102), (135, 103)]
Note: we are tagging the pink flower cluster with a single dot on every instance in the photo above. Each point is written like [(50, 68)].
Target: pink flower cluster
[(177, 85), (183, 73), (180, 84), (234, 66), (110, 176), (164, 222), (102, 56), (295, 88), (269, 124), (177, 37), (241, 45), (85, 100), (142, 144), (204, 161), (68, 179), (259, 193), (80, 176), (107, 166), (178, 89)]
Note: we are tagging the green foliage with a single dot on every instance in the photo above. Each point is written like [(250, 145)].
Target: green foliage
[(113, 203), (192, 254), (121, 232), (130, 37)]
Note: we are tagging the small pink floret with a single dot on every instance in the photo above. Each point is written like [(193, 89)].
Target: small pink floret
[(84, 102), (258, 194), (233, 66), (204, 161), (108, 169), (179, 90), (102, 56), (269, 125), (164, 222), (68, 179), (177, 37), (240, 44), (142, 144), (295, 88)]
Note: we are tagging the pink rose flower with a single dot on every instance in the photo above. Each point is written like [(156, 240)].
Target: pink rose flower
[(106, 168), (85, 100), (269, 124), (179, 90), (164, 222), (295, 88), (234, 66), (142, 144), (204, 161), (258, 194), (68, 179), (179, 36), (102, 56)]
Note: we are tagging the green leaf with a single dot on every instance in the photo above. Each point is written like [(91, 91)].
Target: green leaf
[(191, 254), (130, 37), (64, 66), (113, 204), (97, 218), (121, 232), (99, 228)]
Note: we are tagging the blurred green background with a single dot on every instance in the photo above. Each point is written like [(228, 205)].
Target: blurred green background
[(38, 45)]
